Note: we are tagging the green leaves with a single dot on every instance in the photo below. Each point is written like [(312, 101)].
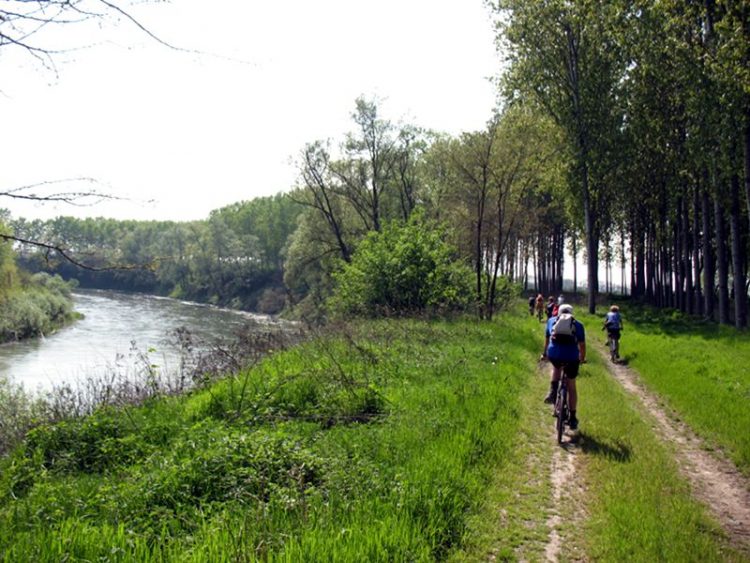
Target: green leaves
[(403, 268)]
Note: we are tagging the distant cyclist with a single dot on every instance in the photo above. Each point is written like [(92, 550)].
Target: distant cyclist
[(565, 347), (613, 326), (539, 305)]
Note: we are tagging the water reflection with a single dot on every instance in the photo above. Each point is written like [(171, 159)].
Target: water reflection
[(103, 341)]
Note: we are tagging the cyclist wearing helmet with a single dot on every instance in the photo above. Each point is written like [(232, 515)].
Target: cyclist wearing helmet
[(565, 347)]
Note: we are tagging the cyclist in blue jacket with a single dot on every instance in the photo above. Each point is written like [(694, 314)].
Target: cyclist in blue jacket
[(565, 347), (613, 326)]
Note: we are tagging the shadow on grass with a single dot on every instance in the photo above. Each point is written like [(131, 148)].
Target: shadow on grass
[(614, 450), (675, 323)]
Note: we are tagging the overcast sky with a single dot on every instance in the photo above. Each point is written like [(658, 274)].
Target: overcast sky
[(195, 132)]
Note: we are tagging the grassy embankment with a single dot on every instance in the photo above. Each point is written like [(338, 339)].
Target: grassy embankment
[(373, 446), (404, 440)]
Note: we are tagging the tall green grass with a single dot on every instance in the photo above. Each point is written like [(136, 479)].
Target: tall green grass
[(701, 370), (376, 443)]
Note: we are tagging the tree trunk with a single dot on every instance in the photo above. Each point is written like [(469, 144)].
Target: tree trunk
[(721, 262), (746, 150), (709, 273), (738, 254), (574, 244), (696, 297)]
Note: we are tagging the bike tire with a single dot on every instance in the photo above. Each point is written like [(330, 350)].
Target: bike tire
[(560, 414)]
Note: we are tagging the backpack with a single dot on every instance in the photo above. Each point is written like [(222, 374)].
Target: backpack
[(564, 330)]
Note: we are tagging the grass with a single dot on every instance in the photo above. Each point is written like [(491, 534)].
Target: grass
[(396, 440), (639, 507), (701, 370), (376, 444)]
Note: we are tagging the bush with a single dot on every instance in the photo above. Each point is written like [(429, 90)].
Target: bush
[(403, 268), (43, 305)]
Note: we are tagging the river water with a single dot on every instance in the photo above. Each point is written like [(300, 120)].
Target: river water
[(115, 333)]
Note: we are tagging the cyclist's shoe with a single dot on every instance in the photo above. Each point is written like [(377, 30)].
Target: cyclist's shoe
[(573, 423)]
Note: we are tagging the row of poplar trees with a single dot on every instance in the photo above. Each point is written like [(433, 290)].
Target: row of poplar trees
[(653, 102)]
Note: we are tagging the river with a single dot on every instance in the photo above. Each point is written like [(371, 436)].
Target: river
[(117, 329)]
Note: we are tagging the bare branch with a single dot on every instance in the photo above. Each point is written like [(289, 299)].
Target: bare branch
[(64, 254), (73, 197)]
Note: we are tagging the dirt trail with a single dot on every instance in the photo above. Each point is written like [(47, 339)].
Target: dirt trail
[(567, 506), (714, 479), (562, 475)]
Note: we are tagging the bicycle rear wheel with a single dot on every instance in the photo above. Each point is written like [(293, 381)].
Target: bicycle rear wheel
[(561, 415)]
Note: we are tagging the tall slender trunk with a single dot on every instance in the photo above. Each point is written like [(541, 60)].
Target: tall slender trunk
[(696, 297), (574, 248), (721, 262), (679, 280), (746, 151), (623, 263), (709, 273), (738, 254), (687, 271)]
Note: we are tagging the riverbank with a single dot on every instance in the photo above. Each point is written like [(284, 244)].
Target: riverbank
[(37, 308)]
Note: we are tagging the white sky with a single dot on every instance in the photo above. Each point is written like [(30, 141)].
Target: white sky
[(196, 132)]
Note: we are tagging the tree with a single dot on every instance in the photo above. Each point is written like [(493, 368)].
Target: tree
[(490, 184), (563, 54), (402, 268)]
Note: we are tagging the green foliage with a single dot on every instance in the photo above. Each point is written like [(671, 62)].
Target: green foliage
[(233, 258), (40, 306), (403, 268), (8, 271)]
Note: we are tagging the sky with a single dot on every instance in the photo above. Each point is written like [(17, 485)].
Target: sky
[(178, 133)]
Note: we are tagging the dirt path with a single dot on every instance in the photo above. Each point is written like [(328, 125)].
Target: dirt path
[(714, 480), (567, 504), (562, 473)]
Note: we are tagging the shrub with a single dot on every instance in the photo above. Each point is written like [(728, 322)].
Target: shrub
[(403, 268), (40, 307)]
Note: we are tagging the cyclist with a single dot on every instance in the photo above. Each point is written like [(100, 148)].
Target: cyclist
[(539, 304), (551, 307), (613, 325), (565, 347)]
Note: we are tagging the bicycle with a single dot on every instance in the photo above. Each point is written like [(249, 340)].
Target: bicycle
[(613, 343)]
